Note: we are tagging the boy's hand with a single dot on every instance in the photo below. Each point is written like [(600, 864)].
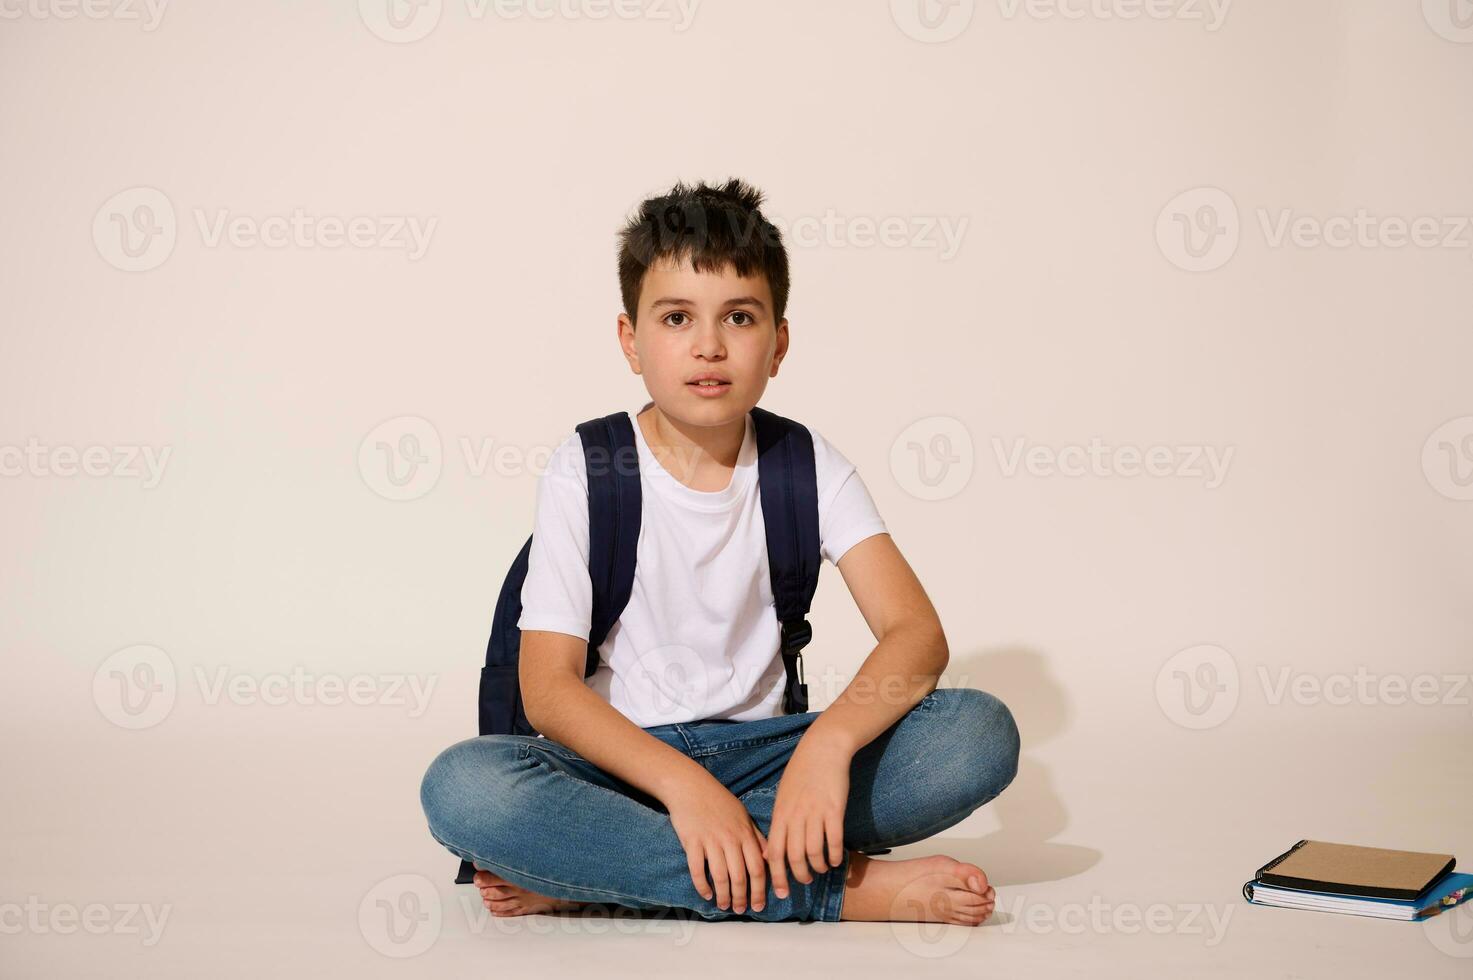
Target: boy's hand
[(717, 831), (809, 812)]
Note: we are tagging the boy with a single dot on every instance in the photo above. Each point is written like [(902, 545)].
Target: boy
[(671, 778)]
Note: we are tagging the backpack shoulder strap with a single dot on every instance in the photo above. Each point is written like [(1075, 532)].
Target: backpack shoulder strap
[(611, 460), (788, 484)]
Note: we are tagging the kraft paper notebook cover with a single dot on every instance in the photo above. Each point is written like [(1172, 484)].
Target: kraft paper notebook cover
[(1348, 869)]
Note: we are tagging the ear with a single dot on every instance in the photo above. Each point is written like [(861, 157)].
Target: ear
[(781, 350), (625, 326)]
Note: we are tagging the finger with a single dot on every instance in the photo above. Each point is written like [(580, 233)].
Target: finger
[(797, 858), (777, 863), (696, 861), (814, 840), (719, 877), (757, 874), (736, 864), (834, 828)]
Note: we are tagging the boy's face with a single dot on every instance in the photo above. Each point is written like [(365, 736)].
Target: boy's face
[(692, 323)]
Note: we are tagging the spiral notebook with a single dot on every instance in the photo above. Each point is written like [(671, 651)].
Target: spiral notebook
[(1374, 881)]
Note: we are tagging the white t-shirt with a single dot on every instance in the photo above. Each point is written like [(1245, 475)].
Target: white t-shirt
[(699, 638)]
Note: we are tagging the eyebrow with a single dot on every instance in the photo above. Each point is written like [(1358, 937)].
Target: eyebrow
[(735, 301)]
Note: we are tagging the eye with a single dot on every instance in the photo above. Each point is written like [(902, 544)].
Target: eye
[(748, 319), (675, 314)]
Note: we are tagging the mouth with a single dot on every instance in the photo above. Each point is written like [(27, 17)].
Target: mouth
[(709, 387)]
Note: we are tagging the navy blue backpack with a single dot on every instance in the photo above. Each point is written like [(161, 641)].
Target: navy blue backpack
[(788, 487)]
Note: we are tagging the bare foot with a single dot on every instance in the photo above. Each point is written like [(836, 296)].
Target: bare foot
[(928, 889), (504, 898)]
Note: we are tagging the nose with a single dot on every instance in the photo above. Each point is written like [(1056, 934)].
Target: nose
[(706, 341)]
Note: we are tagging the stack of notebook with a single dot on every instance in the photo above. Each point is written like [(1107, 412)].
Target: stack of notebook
[(1356, 880)]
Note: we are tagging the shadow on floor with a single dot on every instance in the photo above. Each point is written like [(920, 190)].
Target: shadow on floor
[(1030, 810)]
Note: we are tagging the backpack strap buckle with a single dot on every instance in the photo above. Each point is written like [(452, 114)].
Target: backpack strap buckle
[(795, 636), (796, 633)]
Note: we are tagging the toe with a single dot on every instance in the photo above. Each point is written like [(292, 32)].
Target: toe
[(973, 877)]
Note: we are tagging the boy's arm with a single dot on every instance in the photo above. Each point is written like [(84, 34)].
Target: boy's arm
[(807, 829), (561, 706), (713, 826), (907, 661)]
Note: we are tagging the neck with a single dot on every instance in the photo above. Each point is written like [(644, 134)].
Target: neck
[(693, 448)]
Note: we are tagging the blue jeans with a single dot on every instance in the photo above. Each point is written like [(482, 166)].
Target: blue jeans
[(543, 817)]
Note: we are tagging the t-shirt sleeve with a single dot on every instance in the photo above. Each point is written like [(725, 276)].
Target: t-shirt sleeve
[(557, 594), (846, 511)]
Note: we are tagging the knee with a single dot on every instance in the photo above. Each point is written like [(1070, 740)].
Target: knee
[(461, 786), (987, 742)]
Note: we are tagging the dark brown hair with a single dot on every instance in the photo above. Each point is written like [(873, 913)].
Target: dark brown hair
[(714, 227)]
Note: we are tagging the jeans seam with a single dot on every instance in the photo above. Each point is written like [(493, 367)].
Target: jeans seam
[(833, 891), (753, 743)]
